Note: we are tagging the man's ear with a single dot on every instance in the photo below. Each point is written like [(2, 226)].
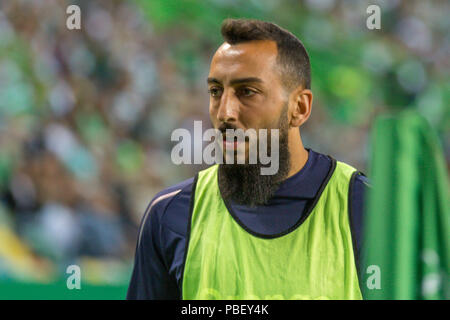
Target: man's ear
[(301, 104)]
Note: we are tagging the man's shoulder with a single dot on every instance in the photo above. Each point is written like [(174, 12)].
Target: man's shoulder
[(173, 193), (362, 179), (169, 208), (326, 160)]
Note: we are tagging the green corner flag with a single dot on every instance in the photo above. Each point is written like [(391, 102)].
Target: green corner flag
[(407, 239)]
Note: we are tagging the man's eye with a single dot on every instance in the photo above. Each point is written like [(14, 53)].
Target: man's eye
[(246, 92), (214, 92)]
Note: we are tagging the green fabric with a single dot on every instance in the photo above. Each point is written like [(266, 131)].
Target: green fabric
[(407, 233), (314, 261)]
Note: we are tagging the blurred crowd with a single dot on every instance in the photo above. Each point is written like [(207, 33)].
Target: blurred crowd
[(86, 115)]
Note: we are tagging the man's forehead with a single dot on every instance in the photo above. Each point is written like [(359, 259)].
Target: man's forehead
[(251, 56)]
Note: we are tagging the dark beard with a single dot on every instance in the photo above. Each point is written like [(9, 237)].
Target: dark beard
[(245, 185)]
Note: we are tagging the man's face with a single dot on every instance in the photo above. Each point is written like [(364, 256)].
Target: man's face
[(245, 87), (246, 93)]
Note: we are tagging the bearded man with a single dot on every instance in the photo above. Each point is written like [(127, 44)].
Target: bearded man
[(234, 233)]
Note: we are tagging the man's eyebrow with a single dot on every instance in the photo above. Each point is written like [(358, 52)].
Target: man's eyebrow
[(213, 80), (236, 81)]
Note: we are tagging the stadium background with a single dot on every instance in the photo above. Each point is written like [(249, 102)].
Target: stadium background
[(86, 115)]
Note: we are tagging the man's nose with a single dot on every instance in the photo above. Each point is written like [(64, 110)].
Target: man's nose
[(229, 108)]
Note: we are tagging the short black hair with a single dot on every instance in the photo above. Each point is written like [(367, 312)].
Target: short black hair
[(292, 56)]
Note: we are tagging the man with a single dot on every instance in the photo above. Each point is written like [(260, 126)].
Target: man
[(232, 233)]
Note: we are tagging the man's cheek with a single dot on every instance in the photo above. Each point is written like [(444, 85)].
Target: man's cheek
[(213, 118)]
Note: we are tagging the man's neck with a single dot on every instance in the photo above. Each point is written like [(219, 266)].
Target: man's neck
[(298, 163), (298, 154)]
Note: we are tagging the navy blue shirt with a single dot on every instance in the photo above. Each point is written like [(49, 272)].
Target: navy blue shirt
[(161, 243)]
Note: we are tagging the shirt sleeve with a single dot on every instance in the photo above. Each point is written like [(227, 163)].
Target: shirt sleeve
[(150, 279), (359, 192)]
